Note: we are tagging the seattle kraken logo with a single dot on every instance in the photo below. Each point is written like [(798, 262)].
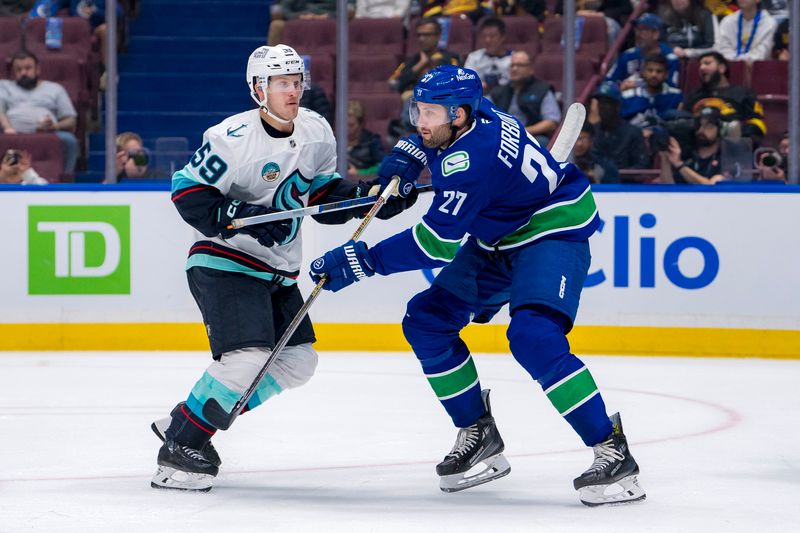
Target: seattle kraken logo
[(289, 196)]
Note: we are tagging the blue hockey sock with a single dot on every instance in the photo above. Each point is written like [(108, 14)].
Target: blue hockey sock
[(537, 340)]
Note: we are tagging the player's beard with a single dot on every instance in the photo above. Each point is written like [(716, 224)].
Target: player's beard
[(440, 135)]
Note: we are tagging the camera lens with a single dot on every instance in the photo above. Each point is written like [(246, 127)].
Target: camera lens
[(770, 160)]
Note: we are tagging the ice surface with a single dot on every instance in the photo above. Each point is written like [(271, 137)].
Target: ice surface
[(355, 449)]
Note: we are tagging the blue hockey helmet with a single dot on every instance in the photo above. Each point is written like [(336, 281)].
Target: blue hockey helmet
[(449, 86)]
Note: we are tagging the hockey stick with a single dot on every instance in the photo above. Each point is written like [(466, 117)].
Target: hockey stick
[(212, 410), (569, 132), (237, 223)]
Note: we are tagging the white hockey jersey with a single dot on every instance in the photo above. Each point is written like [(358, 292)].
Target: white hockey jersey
[(240, 159)]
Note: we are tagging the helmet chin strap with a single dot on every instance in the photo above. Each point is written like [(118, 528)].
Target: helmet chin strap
[(273, 116), (262, 105)]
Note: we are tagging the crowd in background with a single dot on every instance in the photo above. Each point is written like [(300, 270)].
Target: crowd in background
[(646, 123)]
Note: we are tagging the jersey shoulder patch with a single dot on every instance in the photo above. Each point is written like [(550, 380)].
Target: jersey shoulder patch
[(235, 127)]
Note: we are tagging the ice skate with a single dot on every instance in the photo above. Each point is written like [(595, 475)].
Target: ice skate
[(160, 426), (476, 457), (612, 478), (183, 468)]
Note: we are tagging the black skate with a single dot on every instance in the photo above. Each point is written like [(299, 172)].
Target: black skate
[(160, 426), (183, 468), (612, 478), (476, 457)]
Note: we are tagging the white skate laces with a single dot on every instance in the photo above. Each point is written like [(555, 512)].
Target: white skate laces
[(467, 438), (605, 454)]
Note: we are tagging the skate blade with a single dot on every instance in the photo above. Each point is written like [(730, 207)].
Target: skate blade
[(492, 468), (626, 490), (171, 479)]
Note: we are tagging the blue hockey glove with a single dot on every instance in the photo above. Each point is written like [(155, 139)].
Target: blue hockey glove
[(343, 266), (267, 234), (406, 160)]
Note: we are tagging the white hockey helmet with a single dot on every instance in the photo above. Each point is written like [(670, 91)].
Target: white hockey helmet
[(267, 61)]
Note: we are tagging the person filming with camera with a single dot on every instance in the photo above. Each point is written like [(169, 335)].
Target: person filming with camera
[(15, 169), (772, 163), (132, 158), (704, 166)]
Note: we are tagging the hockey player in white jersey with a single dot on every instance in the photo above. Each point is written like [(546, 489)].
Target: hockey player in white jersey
[(277, 157)]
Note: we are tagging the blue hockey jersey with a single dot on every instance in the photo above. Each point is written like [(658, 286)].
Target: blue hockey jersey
[(496, 184)]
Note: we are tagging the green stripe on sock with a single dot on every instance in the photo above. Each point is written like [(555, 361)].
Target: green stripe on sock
[(569, 393), (455, 381)]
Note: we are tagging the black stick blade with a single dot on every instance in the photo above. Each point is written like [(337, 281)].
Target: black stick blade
[(216, 415)]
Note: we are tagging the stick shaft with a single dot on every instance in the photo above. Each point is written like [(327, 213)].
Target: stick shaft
[(312, 210), (281, 344)]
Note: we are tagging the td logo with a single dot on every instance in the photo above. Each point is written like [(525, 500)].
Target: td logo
[(79, 249)]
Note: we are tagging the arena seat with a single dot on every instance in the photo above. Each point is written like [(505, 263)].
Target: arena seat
[(370, 73), (379, 110), (376, 36), (311, 36), (770, 77), (10, 40), (550, 67), (76, 38), (593, 37), (522, 33)]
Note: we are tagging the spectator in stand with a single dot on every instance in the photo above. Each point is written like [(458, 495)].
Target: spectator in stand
[(15, 169), (474, 9), (773, 164), (493, 61), (381, 9), (646, 105), (614, 138), (689, 27), (648, 34), (537, 8), (531, 100), (364, 148), (133, 159), (428, 32), (747, 35), (599, 168), (29, 104), (735, 102), (704, 165), (406, 75), (780, 49)]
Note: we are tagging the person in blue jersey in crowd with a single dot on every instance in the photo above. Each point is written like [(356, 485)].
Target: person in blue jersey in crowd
[(528, 218), (649, 41)]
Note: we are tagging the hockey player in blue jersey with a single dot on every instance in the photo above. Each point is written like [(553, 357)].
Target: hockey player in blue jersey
[(527, 219)]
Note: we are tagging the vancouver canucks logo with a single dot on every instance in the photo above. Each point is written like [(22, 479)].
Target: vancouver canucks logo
[(289, 195), (455, 162), (270, 172)]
